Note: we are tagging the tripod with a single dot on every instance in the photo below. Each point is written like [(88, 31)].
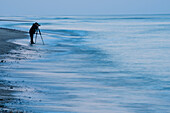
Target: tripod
[(40, 36)]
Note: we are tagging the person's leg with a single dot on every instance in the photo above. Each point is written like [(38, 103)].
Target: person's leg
[(31, 37)]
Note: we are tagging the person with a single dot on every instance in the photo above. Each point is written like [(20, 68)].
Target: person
[(34, 28)]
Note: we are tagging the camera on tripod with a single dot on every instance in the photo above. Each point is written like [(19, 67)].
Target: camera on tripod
[(38, 31)]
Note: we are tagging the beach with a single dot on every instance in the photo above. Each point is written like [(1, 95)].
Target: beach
[(89, 64), (9, 34), (6, 89)]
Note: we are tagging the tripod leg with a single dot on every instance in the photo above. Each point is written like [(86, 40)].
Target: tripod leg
[(42, 39)]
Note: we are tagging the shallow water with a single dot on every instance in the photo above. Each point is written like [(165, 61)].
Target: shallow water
[(93, 64)]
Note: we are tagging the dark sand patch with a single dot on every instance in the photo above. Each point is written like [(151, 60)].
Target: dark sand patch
[(8, 34), (6, 87)]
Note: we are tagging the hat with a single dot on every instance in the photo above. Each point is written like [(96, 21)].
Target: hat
[(37, 24)]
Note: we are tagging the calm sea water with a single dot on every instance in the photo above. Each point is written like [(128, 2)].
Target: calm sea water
[(92, 64)]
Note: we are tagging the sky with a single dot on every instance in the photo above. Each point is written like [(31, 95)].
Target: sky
[(83, 7)]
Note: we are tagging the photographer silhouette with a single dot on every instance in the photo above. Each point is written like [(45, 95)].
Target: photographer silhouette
[(34, 29)]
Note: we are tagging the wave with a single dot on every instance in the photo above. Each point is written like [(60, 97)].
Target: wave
[(68, 32), (63, 18), (125, 18), (102, 17), (13, 20), (113, 17)]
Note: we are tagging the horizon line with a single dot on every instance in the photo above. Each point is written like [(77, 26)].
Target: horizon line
[(90, 14)]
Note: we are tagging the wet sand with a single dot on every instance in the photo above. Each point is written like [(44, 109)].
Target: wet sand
[(9, 34), (6, 89)]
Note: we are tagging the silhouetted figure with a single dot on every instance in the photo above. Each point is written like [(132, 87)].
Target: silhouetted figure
[(33, 30)]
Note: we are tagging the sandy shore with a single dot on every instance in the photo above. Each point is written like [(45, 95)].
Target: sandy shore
[(8, 34), (6, 89)]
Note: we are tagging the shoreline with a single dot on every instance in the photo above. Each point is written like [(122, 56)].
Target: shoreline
[(9, 34), (6, 88), (6, 35)]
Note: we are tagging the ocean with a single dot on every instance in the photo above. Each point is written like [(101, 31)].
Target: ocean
[(91, 64)]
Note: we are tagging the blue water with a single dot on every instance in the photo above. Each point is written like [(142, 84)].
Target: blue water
[(92, 64)]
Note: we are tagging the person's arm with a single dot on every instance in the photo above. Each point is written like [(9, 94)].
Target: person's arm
[(36, 29)]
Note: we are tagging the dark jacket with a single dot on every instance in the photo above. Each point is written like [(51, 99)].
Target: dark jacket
[(33, 29)]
